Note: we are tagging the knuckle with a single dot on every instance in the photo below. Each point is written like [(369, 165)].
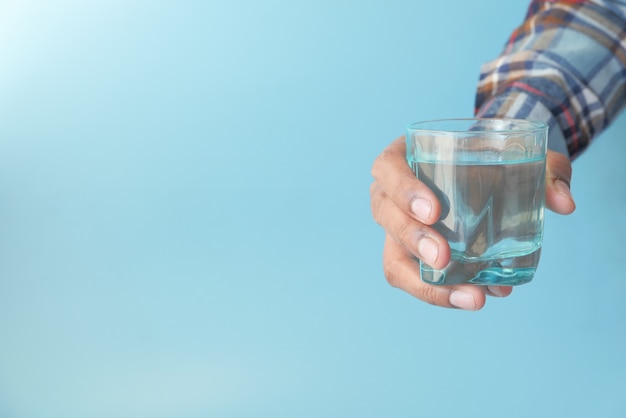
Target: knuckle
[(409, 233), (385, 154), (391, 271), (379, 163), (387, 158), (390, 154), (373, 188), (376, 203), (430, 295), (403, 231), (400, 190)]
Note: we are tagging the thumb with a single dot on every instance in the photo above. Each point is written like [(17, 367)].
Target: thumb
[(558, 177)]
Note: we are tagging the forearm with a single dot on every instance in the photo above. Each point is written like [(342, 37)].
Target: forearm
[(564, 65)]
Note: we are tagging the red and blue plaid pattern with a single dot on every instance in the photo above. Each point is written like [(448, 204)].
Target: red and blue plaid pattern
[(566, 65)]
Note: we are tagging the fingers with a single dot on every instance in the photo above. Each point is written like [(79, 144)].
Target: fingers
[(402, 271), (558, 177), (411, 196), (406, 208), (416, 238)]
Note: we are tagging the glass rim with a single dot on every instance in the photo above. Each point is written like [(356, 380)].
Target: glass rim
[(525, 126)]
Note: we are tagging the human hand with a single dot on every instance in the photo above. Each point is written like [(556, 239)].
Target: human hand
[(406, 208)]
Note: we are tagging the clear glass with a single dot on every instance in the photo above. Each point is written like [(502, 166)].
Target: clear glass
[(489, 175)]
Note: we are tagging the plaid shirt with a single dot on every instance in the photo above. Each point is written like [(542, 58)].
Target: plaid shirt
[(566, 65)]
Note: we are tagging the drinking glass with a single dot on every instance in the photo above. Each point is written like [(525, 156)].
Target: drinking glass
[(489, 176)]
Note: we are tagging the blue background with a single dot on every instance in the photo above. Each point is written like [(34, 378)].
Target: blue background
[(185, 227)]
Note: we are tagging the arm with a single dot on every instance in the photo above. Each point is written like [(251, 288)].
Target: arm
[(566, 64)]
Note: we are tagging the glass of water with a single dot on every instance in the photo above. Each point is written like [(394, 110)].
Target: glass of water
[(489, 175)]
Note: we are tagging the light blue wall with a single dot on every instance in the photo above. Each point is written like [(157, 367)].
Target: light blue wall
[(185, 226)]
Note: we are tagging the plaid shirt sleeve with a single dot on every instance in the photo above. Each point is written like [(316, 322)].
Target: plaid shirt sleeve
[(566, 65)]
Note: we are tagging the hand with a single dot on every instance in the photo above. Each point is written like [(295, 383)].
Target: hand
[(406, 208)]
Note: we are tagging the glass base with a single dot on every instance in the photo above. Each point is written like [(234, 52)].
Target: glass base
[(510, 271), (500, 276)]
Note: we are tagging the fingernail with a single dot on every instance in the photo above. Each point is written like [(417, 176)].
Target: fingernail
[(421, 208), (496, 290), (563, 188), (429, 250), (462, 300)]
